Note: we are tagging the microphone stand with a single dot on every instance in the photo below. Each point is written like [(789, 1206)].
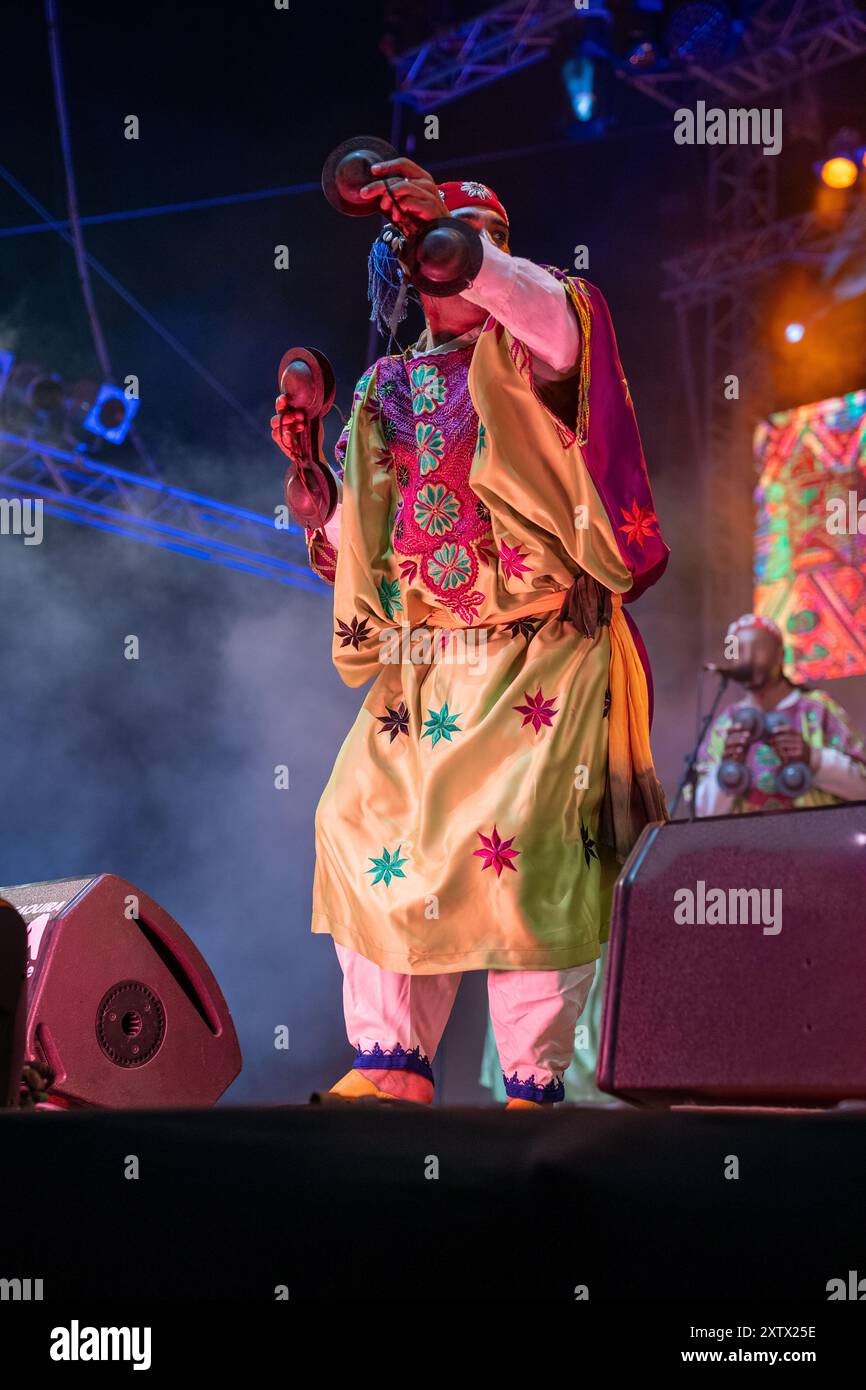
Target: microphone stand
[(690, 776)]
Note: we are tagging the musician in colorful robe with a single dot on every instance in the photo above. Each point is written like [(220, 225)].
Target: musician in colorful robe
[(815, 731), (495, 515)]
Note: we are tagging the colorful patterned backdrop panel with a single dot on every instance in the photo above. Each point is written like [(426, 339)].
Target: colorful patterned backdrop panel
[(810, 537)]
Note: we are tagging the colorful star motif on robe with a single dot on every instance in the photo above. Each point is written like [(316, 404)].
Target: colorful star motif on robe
[(389, 596), (387, 867), (354, 633), (640, 523), (428, 388), (523, 627), (481, 443), (588, 844), (441, 724), (537, 711), (395, 721), (512, 560), (496, 852), (486, 549)]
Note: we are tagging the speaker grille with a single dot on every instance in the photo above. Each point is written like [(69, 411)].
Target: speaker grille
[(130, 1024)]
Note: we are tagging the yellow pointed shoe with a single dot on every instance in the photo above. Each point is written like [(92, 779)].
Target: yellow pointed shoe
[(516, 1103), (354, 1086)]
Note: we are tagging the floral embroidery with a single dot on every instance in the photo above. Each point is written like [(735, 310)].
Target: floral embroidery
[(537, 711), (640, 522), (428, 388), (436, 509), (361, 383), (408, 569), (387, 867), (431, 447), (512, 559), (450, 566), (396, 1058), (389, 596), (360, 387), (441, 724), (548, 1094), (475, 190), (588, 844), (497, 852), (466, 606), (443, 547), (353, 634), (395, 721)]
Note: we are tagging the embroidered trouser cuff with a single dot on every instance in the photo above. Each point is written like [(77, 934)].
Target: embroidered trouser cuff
[(395, 1021)]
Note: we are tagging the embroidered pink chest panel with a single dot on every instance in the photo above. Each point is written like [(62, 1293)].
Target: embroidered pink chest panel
[(433, 432)]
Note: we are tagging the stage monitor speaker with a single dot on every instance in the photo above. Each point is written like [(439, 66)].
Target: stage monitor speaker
[(737, 962), (120, 1004), (13, 1001)]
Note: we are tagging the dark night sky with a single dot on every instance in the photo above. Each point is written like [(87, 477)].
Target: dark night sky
[(239, 97)]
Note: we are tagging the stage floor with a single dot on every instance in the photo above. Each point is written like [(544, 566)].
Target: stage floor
[(384, 1203)]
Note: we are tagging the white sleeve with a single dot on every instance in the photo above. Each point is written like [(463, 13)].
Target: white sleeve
[(710, 798), (840, 775), (531, 303)]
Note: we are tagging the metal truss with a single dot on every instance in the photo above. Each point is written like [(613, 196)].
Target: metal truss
[(76, 487), (718, 289), (720, 267), (785, 40), (718, 292), (495, 44)]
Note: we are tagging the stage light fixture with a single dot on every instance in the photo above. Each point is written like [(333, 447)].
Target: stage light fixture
[(795, 332), (838, 172), (643, 55), (33, 393), (578, 74), (112, 414)]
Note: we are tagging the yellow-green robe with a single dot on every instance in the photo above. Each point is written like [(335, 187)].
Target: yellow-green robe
[(499, 767)]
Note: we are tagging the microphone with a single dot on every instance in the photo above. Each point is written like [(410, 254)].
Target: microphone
[(741, 671)]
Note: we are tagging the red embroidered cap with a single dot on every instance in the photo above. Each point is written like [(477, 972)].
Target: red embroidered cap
[(756, 620), (470, 194)]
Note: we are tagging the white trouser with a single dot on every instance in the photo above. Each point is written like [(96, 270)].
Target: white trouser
[(396, 1021)]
